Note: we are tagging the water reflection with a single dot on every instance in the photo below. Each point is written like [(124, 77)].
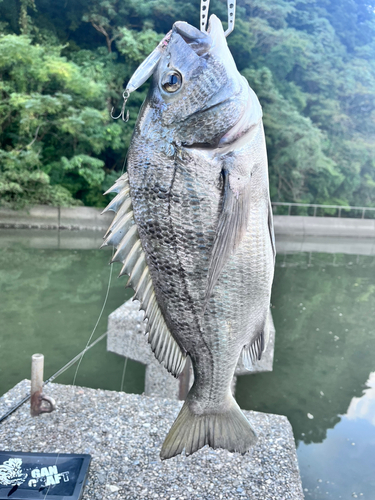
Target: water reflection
[(324, 312), (50, 300), (343, 465), (364, 407)]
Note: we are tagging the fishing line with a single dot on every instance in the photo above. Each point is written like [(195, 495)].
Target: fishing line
[(126, 359), (118, 409), (49, 486), (54, 376), (97, 322), (70, 363), (123, 375)]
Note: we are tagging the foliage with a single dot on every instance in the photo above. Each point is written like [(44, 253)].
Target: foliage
[(63, 67), (54, 126)]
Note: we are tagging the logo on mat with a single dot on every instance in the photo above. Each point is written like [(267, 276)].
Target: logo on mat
[(11, 473)]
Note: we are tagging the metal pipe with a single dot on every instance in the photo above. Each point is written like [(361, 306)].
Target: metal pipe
[(37, 396), (37, 369)]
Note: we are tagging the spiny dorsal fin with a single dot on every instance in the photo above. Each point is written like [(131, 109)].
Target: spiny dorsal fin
[(123, 235)]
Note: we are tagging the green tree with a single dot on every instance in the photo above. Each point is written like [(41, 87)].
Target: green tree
[(311, 63), (54, 125)]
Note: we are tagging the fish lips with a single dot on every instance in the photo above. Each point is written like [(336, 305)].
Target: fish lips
[(199, 41), (202, 42)]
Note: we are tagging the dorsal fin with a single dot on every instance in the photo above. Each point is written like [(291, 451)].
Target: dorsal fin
[(123, 235)]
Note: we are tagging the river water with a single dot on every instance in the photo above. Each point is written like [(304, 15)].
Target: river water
[(53, 286)]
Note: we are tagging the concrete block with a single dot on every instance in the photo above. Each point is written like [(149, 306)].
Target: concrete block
[(324, 226), (54, 239), (84, 218), (126, 337), (288, 224), (124, 433), (324, 244), (40, 216)]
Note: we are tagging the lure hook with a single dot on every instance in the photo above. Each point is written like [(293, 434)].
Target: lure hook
[(205, 5), (125, 95)]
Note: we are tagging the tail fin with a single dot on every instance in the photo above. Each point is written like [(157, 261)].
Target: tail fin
[(230, 430)]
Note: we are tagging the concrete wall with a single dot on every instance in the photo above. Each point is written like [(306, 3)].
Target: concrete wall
[(43, 217), (88, 240), (324, 226)]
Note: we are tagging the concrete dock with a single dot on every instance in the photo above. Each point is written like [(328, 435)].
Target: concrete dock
[(124, 432)]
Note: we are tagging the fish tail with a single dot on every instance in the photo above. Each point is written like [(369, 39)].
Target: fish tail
[(229, 429)]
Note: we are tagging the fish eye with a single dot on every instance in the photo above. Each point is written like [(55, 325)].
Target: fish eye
[(171, 81)]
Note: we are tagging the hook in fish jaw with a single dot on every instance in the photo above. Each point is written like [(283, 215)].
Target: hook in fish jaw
[(125, 95), (205, 5)]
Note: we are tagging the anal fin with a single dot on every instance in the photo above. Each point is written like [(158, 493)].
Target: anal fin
[(253, 351)]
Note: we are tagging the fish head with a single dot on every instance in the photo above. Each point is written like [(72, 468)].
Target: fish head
[(197, 93)]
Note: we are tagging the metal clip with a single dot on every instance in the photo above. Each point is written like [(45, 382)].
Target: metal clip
[(36, 405), (205, 5), (231, 16)]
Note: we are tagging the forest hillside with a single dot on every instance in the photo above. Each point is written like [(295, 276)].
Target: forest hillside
[(64, 64)]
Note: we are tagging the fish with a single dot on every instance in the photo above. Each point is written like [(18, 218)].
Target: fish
[(193, 228)]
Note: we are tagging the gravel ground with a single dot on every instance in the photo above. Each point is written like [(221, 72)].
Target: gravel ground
[(124, 432)]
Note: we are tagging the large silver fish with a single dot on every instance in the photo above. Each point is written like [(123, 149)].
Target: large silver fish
[(194, 228)]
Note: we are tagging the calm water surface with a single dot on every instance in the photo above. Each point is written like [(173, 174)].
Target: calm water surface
[(53, 288)]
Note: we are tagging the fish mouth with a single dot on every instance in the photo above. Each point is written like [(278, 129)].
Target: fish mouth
[(199, 41), (202, 42)]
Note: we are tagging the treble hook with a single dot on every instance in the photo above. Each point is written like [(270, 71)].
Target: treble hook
[(125, 95), (205, 4)]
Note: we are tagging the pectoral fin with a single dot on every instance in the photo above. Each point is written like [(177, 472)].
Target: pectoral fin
[(232, 224)]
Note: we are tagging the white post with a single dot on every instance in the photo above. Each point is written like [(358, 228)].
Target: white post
[(37, 396)]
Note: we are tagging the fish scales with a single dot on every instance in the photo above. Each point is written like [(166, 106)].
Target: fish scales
[(197, 171)]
